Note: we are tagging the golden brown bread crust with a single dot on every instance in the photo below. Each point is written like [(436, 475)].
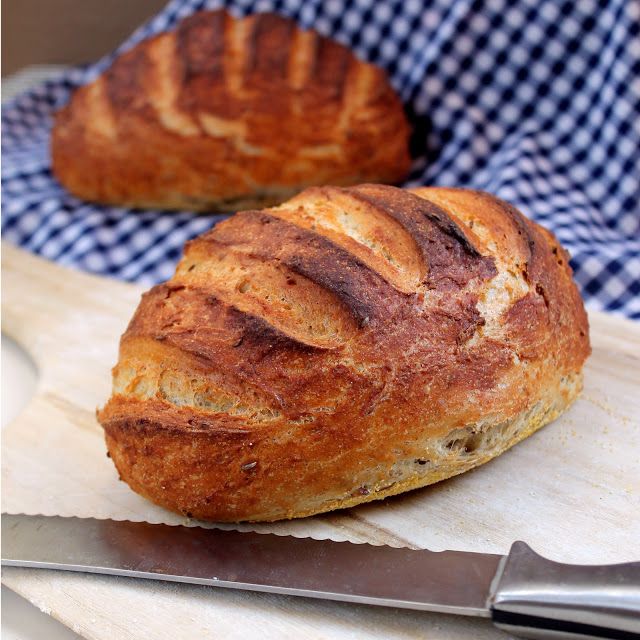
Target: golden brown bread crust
[(350, 344), (226, 113)]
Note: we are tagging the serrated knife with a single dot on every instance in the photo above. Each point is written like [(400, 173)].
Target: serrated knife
[(522, 592)]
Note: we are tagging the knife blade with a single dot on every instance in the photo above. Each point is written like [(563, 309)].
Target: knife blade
[(522, 592)]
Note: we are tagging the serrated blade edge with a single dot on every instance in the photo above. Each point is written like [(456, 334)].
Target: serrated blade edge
[(448, 581)]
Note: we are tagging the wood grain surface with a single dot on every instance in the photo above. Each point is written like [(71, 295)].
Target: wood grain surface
[(572, 490)]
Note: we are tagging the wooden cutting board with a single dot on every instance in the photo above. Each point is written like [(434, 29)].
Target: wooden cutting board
[(572, 490)]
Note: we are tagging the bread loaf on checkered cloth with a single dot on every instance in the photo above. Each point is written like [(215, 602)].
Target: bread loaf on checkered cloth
[(348, 345), (226, 113)]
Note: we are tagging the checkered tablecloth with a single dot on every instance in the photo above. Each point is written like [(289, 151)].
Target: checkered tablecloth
[(537, 101)]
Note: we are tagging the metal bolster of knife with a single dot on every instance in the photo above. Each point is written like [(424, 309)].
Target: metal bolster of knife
[(538, 598)]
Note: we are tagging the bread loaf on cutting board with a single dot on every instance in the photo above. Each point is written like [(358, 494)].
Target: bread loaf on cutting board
[(348, 345), (225, 113)]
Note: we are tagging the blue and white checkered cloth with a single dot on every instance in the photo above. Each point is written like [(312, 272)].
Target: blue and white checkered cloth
[(537, 101)]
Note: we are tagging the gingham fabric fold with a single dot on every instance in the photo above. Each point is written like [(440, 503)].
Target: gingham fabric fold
[(537, 101)]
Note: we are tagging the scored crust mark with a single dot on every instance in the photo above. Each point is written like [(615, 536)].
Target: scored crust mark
[(330, 67), (200, 60), (155, 419), (163, 88), (526, 233), (169, 375), (486, 223), (293, 304), (267, 47), (267, 57), (201, 324), (538, 271), (533, 291), (375, 238), (300, 66), (531, 249), (510, 238), (200, 46), (216, 337), (451, 259), (124, 79), (362, 85), (104, 123), (236, 35), (309, 254)]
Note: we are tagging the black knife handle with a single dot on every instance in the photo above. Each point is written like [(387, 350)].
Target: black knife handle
[(533, 597)]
